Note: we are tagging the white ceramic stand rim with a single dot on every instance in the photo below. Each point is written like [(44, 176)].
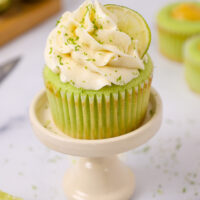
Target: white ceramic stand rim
[(68, 145), (99, 176)]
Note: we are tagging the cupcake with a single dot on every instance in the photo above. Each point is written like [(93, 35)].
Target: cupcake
[(98, 73), (192, 62), (6, 196), (176, 23)]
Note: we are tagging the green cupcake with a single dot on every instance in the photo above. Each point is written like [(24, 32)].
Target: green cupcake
[(192, 63), (97, 75), (176, 23), (5, 196)]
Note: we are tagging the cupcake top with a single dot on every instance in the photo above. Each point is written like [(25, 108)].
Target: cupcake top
[(180, 17), (88, 49), (192, 50)]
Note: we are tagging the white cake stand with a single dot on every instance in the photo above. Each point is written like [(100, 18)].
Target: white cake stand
[(99, 174)]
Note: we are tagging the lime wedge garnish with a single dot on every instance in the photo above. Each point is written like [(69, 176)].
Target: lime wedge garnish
[(133, 24)]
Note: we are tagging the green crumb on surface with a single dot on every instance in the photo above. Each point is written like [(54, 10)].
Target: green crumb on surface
[(20, 173), (184, 190), (34, 187), (146, 149), (86, 67), (159, 191), (178, 146), (47, 123), (151, 112)]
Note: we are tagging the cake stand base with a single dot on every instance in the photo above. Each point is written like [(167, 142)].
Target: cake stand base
[(99, 174), (99, 179)]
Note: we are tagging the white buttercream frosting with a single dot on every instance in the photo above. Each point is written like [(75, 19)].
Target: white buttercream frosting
[(88, 50)]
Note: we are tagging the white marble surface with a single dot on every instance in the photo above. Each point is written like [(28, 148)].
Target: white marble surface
[(168, 167)]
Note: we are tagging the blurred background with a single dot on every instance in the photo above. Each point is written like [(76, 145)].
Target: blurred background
[(168, 167)]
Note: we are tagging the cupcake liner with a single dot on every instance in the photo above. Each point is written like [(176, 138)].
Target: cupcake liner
[(192, 75), (99, 116), (171, 44)]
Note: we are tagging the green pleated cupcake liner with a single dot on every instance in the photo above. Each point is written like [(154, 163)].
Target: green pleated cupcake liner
[(92, 116), (192, 75), (171, 44)]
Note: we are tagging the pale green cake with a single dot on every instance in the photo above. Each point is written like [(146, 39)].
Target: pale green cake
[(192, 63), (176, 23), (108, 112)]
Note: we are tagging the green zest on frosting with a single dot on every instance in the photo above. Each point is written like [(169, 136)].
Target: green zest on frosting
[(90, 36)]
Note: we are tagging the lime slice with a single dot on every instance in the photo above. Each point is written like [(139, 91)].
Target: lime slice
[(132, 23), (4, 5), (5, 196)]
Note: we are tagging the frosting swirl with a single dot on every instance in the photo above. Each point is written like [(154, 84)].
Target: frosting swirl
[(88, 50)]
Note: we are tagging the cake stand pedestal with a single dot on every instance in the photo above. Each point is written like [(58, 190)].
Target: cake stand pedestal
[(99, 174)]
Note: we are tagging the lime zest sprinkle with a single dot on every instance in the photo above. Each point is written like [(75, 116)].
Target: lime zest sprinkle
[(116, 71), (57, 22), (85, 53), (60, 59), (59, 32), (66, 34), (86, 67), (77, 47), (71, 41), (119, 78), (91, 59), (71, 81), (100, 42), (51, 50), (68, 67)]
